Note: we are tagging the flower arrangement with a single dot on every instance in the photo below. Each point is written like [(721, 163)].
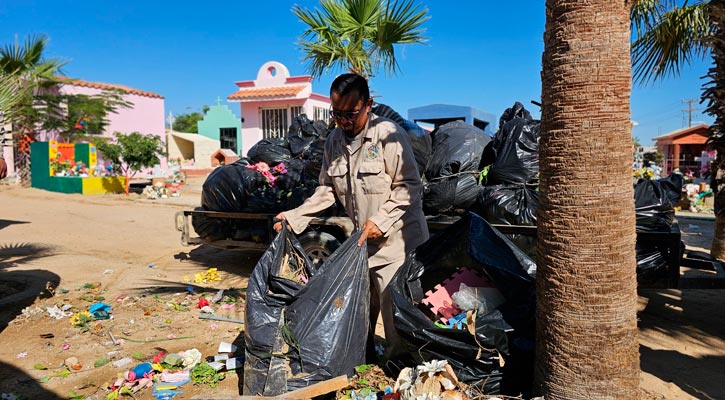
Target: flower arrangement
[(269, 174), (645, 173)]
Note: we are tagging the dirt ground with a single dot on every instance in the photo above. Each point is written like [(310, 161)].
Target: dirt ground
[(58, 249)]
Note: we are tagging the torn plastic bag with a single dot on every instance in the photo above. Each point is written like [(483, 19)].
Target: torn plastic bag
[(228, 187), (516, 147), (457, 147), (654, 202), (419, 138), (271, 151), (321, 326), (451, 194), (473, 243)]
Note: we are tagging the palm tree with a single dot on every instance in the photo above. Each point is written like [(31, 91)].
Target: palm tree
[(669, 36), (587, 340), (24, 73), (359, 35)]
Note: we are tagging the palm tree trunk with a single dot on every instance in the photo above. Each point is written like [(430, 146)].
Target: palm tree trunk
[(587, 339), (714, 96)]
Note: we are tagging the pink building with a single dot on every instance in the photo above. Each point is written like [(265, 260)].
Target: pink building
[(145, 114), (270, 102)]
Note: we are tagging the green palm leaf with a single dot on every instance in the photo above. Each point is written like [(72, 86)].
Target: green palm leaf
[(358, 35), (668, 41)]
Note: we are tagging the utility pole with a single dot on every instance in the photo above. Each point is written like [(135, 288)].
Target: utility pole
[(689, 110)]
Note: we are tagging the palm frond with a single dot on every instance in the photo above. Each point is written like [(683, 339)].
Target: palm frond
[(401, 24), (358, 35), (644, 13), (673, 40)]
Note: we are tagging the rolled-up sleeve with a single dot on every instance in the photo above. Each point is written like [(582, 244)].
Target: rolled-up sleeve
[(406, 187)]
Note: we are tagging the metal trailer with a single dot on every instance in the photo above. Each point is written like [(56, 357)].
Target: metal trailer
[(325, 234)]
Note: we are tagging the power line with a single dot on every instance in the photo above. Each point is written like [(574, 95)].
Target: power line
[(689, 110)]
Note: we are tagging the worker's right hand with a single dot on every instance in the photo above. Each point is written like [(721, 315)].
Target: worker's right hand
[(278, 225)]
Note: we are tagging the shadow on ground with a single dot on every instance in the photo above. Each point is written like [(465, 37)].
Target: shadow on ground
[(16, 382), (697, 316), (20, 288), (4, 223)]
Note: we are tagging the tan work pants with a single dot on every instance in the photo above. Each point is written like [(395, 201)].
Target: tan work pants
[(382, 301)]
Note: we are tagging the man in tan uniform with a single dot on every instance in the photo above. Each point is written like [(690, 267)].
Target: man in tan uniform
[(369, 165)]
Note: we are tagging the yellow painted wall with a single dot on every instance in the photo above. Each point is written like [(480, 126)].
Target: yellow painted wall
[(103, 185)]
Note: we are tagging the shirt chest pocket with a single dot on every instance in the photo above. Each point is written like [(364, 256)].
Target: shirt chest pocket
[(373, 178), (338, 174)]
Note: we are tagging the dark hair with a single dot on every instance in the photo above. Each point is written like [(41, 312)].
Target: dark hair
[(349, 83)]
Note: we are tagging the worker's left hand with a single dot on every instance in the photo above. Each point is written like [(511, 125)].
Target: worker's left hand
[(369, 231)]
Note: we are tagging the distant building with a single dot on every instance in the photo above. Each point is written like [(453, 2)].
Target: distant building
[(220, 123), (439, 114), (145, 114), (684, 149), (269, 103)]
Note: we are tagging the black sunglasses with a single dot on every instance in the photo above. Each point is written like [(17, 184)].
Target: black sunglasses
[(347, 115)]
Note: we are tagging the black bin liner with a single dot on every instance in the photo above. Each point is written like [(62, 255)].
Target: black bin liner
[(211, 228), (271, 151), (228, 187), (654, 202), (451, 195), (419, 138), (303, 132), (471, 242), (327, 318), (515, 148), (651, 263), (457, 147), (511, 204)]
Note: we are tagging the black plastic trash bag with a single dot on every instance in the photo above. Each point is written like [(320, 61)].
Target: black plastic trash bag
[(271, 151), (654, 202), (303, 132), (457, 147), (272, 200), (512, 204), (228, 187), (471, 242), (322, 324), (451, 195), (210, 228), (516, 149), (508, 204), (419, 138), (293, 177), (651, 263)]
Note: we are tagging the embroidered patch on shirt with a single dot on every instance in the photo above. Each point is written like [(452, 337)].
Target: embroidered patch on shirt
[(372, 152)]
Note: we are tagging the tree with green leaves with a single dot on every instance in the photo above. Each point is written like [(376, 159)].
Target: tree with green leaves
[(359, 35), (188, 122), (24, 74), (131, 153), (668, 36)]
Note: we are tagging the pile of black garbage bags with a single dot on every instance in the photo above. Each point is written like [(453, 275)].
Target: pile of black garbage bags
[(278, 174)]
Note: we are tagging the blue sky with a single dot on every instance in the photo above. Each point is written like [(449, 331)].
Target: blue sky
[(483, 54)]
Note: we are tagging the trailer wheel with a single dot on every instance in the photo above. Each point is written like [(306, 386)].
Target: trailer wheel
[(318, 246)]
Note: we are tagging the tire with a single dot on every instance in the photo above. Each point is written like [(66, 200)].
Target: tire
[(318, 246)]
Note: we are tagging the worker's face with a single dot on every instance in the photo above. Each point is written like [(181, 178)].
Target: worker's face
[(350, 112)]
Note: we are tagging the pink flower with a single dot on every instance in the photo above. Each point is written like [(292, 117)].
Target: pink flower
[(22, 355), (280, 168), (213, 326), (66, 346), (170, 336)]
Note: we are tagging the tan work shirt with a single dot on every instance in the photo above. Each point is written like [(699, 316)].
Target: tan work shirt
[(383, 186)]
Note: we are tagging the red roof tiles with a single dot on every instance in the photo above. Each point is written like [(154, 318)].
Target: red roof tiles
[(108, 86), (274, 91)]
